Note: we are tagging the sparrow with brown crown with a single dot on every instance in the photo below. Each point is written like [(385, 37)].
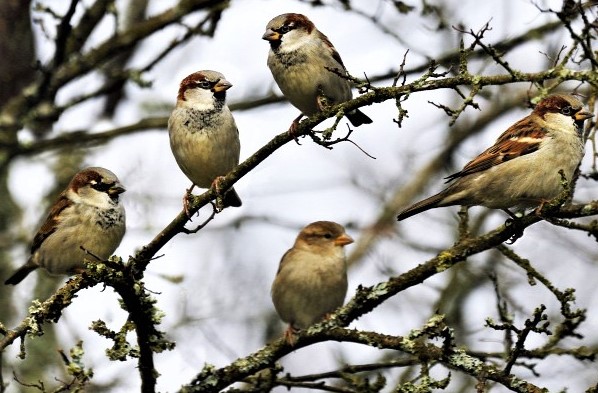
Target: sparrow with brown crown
[(204, 138), (298, 59), (522, 168), (311, 281), (87, 222)]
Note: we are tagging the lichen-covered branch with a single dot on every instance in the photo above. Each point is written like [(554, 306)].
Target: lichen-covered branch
[(137, 302), (214, 380), (434, 344)]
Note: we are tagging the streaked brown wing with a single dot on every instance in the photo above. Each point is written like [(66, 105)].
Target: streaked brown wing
[(283, 260), (49, 226), (523, 137), (333, 51)]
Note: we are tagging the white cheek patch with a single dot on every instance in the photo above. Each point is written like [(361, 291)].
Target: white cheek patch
[(294, 40), (73, 196), (199, 99), (560, 121), (91, 197)]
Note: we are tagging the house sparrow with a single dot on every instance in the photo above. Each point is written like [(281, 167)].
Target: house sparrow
[(298, 57), (203, 135), (311, 281), (522, 168), (86, 222)]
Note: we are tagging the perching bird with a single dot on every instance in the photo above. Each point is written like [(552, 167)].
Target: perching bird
[(311, 281), (298, 57), (203, 135), (522, 168), (85, 223)]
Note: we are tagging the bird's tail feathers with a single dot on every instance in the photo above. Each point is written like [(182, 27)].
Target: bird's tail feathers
[(358, 118), (231, 198), (421, 206), (20, 274)]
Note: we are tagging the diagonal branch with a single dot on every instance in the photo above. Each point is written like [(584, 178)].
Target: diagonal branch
[(211, 379)]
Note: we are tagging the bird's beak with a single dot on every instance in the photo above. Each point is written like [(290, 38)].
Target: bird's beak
[(343, 240), (271, 35), (582, 115), (222, 85), (116, 190)]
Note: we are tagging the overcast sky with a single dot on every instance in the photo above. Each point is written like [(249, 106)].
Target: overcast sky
[(228, 271)]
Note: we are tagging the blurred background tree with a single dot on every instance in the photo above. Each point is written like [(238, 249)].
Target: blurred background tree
[(91, 82)]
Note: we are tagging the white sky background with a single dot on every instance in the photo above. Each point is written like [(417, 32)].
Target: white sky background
[(227, 272)]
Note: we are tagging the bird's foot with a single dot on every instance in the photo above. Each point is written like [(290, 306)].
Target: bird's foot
[(293, 128), (219, 193), (187, 200), (513, 223), (78, 270), (538, 210), (290, 335)]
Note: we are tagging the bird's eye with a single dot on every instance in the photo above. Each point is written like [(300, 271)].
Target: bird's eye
[(285, 29), (204, 84), (567, 111), (103, 187), (328, 236)]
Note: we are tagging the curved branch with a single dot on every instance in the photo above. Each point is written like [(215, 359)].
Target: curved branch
[(12, 114), (209, 379), (83, 138), (364, 301), (375, 96), (137, 302)]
